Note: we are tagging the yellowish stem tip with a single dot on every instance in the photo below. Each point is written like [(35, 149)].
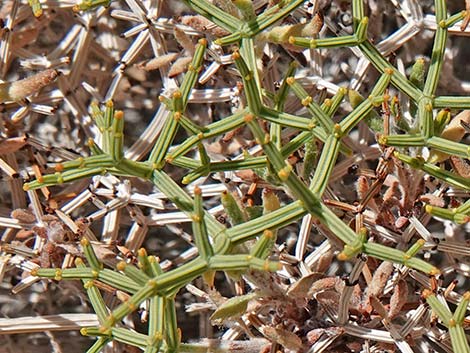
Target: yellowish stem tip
[(202, 41), (452, 322), (78, 262), (342, 256), (267, 139), (236, 55), (435, 271), (177, 94), (119, 115), (142, 252), (284, 173), (268, 233), (121, 266), (84, 242), (382, 139), (109, 104), (105, 329), (466, 296), (427, 293), (388, 71), (25, 187), (306, 101), (421, 242), (290, 80), (131, 306), (248, 118), (197, 190), (59, 167), (177, 116)]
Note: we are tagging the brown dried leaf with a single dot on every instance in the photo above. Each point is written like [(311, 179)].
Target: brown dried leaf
[(285, 338), (461, 166), (328, 298), (328, 283), (24, 216), (324, 262), (300, 289), (454, 131)]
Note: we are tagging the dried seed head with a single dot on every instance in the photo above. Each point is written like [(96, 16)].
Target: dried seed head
[(179, 66), (18, 90), (156, 63), (184, 40), (398, 298), (380, 278), (362, 186)]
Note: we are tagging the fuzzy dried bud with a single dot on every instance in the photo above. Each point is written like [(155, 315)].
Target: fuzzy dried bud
[(179, 66), (156, 63), (18, 90), (398, 299), (380, 278)]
